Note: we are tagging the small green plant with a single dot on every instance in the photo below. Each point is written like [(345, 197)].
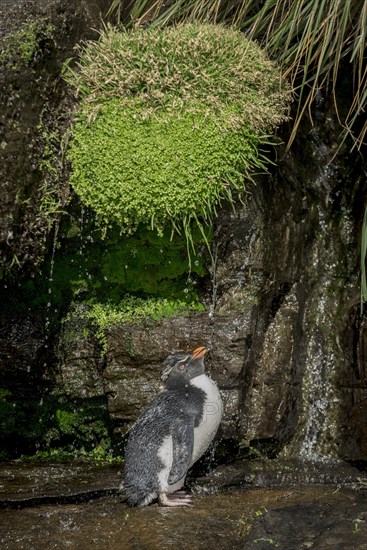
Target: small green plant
[(171, 122), (357, 524), (100, 455), (52, 195), (244, 526)]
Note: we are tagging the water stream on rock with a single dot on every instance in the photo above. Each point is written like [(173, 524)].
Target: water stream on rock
[(50, 304)]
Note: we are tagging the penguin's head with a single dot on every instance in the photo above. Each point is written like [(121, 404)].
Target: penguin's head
[(180, 369)]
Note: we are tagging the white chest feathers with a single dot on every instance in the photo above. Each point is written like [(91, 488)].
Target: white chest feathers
[(212, 415)]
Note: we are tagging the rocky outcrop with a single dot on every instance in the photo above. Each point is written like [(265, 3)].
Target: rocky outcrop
[(136, 353), (282, 325), (38, 36)]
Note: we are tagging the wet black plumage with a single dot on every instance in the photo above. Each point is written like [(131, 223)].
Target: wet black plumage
[(173, 412), (171, 433)]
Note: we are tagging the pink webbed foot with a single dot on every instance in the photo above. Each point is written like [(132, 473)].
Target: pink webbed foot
[(180, 498)]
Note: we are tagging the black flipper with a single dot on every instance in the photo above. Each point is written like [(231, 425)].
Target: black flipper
[(182, 431)]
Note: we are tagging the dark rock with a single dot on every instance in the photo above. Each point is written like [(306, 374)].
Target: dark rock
[(136, 353), (312, 525), (280, 473), (25, 484), (22, 356), (34, 114), (80, 367)]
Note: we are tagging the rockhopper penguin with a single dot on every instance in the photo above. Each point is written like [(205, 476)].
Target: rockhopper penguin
[(173, 431)]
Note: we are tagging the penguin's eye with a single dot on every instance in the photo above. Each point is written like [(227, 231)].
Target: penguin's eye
[(181, 367)]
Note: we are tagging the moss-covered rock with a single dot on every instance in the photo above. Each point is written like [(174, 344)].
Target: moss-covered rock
[(24, 44), (55, 425)]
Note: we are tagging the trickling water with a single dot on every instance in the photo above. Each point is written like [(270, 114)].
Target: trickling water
[(50, 281), (318, 395), (319, 400), (213, 303)]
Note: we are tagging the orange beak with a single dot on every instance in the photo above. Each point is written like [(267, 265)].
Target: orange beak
[(198, 352)]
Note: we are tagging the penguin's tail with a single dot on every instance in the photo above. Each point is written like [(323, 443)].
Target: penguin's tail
[(136, 496), (121, 492)]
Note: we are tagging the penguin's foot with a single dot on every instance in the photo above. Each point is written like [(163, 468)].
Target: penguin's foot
[(180, 498)]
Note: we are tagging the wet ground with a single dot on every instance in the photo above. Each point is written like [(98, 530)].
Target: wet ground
[(74, 507)]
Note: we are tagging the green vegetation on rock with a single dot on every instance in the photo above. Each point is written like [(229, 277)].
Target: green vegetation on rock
[(87, 267), (138, 310), (57, 427), (97, 317), (171, 122), (21, 45), (132, 309)]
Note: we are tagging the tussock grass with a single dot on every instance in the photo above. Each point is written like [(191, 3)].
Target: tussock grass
[(313, 40), (173, 67)]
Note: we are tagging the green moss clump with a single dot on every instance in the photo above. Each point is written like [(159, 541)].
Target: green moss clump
[(171, 122), (146, 263), (137, 310), (86, 267), (158, 169)]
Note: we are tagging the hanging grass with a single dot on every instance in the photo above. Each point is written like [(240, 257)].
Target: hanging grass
[(171, 122), (312, 40), (363, 260)]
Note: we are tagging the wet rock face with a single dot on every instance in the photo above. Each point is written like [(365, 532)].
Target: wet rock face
[(22, 357), (282, 327), (79, 360), (136, 353), (292, 396), (37, 37)]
